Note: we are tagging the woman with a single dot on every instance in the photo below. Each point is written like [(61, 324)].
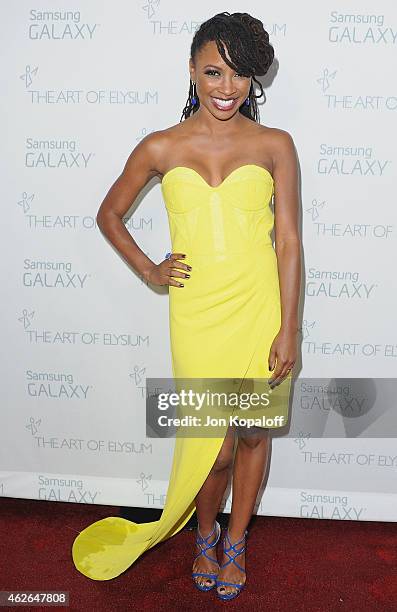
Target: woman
[(233, 298)]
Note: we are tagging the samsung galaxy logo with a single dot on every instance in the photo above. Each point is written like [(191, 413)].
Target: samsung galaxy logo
[(59, 25)]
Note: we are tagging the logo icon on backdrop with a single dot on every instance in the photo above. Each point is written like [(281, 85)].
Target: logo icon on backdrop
[(300, 440), (26, 318), (144, 132), (33, 425), (144, 481), (325, 79), (150, 7), (137, 374), (25, 201), (306, 327), (28, 74), (314, 209)]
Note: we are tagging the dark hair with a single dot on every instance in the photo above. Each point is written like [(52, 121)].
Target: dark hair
[(247, 43)]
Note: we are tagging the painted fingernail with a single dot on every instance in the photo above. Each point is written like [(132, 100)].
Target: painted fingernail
[(189, 267), (187, 275), (181, 285)]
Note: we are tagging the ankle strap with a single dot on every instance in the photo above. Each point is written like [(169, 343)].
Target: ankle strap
[(232, 549), (203, 544), (236, 543), (205, 540)]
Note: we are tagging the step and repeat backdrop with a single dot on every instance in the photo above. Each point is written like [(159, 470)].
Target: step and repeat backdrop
[(82, 84)]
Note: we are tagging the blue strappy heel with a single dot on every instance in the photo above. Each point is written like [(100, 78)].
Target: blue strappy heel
[(204, 546), (231, 552)]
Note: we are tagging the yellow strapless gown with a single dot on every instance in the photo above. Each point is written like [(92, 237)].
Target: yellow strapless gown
[(222, 324)]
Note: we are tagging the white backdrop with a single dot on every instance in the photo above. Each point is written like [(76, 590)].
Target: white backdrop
[(81, 85)]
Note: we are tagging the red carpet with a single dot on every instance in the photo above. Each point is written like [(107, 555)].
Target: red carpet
[(292, 564)]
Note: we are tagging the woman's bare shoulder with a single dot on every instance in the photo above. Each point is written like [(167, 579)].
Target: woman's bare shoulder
[(158, 143), (152, 149), (280, 136)]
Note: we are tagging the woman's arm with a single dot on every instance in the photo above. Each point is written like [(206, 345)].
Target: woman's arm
[(287, 240), (287, 247), (141, 166)]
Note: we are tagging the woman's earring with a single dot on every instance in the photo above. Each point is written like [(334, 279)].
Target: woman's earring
[(247, 101), (194, 97)]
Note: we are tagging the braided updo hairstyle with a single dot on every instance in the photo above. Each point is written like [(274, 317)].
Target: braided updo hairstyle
[(247, 43)]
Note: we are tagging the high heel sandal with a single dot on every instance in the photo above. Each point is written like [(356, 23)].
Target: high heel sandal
[(231, 552), (204, 546)]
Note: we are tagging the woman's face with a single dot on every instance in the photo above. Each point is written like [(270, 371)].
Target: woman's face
[(220, 89)]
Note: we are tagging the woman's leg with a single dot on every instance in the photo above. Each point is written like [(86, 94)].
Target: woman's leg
[(208, 502), (252, 455)]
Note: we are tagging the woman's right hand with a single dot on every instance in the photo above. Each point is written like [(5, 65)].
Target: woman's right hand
[(162, 273)]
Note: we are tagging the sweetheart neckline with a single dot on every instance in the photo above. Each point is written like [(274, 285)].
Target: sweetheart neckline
[(224, 180)]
